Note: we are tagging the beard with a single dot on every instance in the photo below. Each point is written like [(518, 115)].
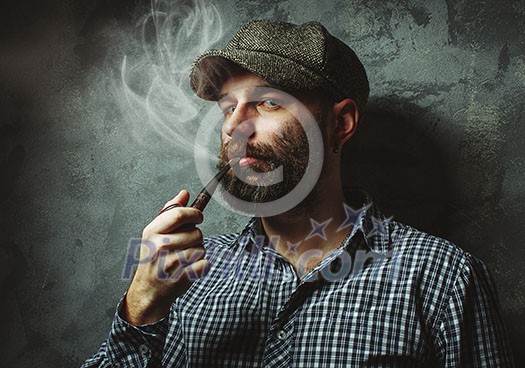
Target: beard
[(291, 151)]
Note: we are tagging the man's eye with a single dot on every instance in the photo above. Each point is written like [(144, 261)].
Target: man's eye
[(270, 103), (228, 109)]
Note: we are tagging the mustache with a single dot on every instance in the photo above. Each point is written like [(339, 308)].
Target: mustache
[(260, 151)]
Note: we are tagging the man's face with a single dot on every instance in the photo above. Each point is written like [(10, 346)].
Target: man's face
[(261, 127)]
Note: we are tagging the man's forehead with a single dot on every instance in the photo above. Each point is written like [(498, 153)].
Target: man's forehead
[(249, 85)]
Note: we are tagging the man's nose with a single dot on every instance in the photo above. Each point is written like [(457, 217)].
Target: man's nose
[(241, 122)]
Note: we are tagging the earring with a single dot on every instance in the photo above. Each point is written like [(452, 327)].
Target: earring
[(336, 149)]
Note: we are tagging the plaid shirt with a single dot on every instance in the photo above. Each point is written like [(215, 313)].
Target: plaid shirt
[(390, 296)]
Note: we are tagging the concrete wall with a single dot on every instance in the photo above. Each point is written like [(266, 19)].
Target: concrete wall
[(442, 147)]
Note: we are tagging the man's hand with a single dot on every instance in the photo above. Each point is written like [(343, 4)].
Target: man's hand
[(174, 245)]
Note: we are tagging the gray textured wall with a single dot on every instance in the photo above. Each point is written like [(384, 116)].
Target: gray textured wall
[(442, 148)]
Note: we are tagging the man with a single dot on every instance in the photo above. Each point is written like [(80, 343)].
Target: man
[(318, 280)]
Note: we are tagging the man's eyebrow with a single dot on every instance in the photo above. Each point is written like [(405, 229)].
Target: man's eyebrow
[(266, 85)]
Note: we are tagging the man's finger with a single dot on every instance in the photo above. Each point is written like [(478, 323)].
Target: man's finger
[(171, 220), (182, 259), (180, 200), (179, 240)]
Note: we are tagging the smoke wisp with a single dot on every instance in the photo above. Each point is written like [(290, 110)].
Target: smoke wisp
[(155, 94)]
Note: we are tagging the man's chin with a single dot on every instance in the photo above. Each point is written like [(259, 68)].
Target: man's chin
[(254, 193)]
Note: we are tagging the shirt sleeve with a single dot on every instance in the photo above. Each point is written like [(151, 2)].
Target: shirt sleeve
[(471, 330), (132, 346)]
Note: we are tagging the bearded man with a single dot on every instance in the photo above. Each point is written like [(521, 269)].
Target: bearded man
[(320, 278)]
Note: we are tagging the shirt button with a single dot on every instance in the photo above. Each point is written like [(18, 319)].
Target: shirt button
[(143, 349), (281, 335)]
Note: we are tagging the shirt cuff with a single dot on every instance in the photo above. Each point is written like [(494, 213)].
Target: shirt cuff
[(130, 345)]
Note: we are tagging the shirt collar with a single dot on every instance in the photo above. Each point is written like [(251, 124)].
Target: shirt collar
[(371, 225), (376, 229)]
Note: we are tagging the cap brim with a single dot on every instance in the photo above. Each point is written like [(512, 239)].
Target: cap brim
[(214, 67)]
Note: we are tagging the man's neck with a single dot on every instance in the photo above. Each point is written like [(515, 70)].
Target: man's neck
[(308, 233)]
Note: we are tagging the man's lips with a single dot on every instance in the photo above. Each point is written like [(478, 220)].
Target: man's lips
[(247, 161)]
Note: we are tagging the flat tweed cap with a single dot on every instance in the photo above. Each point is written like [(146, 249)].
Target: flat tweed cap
[(294, 57)]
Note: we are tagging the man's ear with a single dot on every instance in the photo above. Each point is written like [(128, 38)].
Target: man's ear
[(347, 117)]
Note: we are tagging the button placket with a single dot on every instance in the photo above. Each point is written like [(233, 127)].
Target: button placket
[(282, 335), (143, 349)]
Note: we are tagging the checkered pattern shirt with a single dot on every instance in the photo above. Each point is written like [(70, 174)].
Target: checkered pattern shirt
[(389, 296)]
